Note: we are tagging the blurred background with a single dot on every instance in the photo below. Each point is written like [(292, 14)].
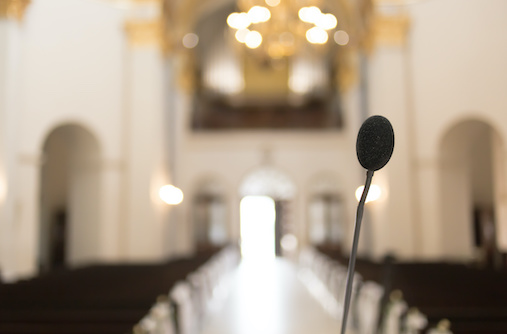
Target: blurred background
[(140, 131)]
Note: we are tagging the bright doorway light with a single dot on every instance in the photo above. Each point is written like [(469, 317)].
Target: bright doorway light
[(257, 214)]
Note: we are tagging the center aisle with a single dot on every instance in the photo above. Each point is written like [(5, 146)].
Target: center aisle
[(268, 298)]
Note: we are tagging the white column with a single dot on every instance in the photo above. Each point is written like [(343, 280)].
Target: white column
[(182, 233), (11, 34), (25, 218), (179, 238), (388, 97), (3, 95), (145, 172)]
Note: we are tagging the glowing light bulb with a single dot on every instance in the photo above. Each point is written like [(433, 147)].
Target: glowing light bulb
[(373, 194), (316, 35), (309, 14), (289, 242), (253, 39), (258, 14), (241, 35), (326, 21), (341, 37), (231, 19), (190, 40), (303, 14), (171, 194), (238, 20)]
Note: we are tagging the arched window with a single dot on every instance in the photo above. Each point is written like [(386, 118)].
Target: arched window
[(210, 215), (326, 212)]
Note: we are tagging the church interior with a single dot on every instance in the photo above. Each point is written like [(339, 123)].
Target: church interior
[(190, 166)]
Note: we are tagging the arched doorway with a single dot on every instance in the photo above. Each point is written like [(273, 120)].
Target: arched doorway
[(69, 198), (468, 177), (268, 189)]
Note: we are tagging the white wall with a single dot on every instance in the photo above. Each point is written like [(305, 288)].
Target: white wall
[(72, 70), (76, 67), (11, 68), (393, 216), (146, 215), (3, 84), (450, 69), (457, 55), (71, 73), (301, 156)]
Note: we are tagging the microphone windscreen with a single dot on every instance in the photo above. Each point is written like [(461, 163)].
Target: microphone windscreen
[(375, 143)]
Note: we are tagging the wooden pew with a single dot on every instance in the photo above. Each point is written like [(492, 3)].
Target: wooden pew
[(94, 299)]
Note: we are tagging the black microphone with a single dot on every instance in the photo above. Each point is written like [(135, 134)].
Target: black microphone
[(374, 148), (375, 143)]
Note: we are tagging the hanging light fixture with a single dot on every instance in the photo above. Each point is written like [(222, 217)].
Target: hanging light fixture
[(280, 27)]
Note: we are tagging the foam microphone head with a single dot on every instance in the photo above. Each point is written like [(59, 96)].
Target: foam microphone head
[(375, 143)]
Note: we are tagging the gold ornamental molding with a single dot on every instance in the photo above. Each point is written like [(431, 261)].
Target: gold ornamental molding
[(391, 30), (146, 1), (13, 9), (130, 3), (389, 2), (145, 33), (397, 2), (142, 30)]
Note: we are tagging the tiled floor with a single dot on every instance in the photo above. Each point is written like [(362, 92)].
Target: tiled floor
[(268, 298)]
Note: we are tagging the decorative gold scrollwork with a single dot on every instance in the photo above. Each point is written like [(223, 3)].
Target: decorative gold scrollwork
[(13, 9), (391, 29), (145, 32)]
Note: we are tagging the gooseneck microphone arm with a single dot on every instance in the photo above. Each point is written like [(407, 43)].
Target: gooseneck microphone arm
[(355, 242), (374, 147)]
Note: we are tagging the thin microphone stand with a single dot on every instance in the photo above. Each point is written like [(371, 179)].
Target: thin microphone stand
[(352, 260)]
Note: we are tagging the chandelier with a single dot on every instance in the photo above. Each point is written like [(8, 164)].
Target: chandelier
[(279, 28)]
